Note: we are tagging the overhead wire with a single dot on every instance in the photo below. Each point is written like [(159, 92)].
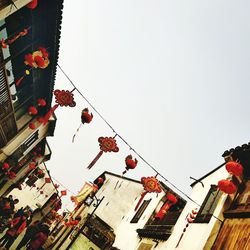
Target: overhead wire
[(130, 147)]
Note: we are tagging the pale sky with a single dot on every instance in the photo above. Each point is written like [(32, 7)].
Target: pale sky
[(172, 78)]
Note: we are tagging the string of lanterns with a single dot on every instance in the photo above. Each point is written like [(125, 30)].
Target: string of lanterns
[(120, 137)]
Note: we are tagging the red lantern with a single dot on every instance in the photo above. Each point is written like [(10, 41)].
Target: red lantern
[(172, 198), (47, 180), (44, 52), (32, 5), (160, 215), (40, 119), (32, 110), (41, 102), (5, 166), (227, 186), (107, 144), (234, 168), (86, 117), (39, 60), (32, 126), (32, 166), (130, 163), (39, 172), (41, 192), (63, 192), (100, 180), (11, 174)]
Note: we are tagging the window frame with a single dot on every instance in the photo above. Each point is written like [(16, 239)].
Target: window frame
[(140, 211), (205, 218)]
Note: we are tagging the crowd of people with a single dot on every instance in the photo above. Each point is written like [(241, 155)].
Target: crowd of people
[(13, 223)]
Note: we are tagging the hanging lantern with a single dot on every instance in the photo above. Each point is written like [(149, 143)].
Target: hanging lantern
[(234, 168), (33, 110), (171, 200), (86, 117), (130, 163), (150, 185), (11, 174), (32, 166), (56, 186), (41, 192), (32, 126), (107, 144), (41, 102), (47, 180), (227, 186), (5, 166), (100, 180), (40, 119), (63, 192), (32, 5)]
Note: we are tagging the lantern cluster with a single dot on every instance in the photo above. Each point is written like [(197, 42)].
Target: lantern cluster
[(236, 170), (190, 219), (34, 110), (38, 59)]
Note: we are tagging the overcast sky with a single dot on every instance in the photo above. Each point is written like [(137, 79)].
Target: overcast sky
[(172, 78)]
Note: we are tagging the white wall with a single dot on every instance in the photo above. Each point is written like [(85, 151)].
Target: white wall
[(126, 235), (120, 195), (196, 234), (31, 196)]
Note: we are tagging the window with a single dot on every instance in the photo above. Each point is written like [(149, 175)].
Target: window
[(145, 246), (140, 211), (208, 206)]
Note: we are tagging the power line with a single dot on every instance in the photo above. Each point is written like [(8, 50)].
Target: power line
[(130, 147)]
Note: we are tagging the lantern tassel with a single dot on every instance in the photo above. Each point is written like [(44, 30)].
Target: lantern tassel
[(141, 199), (95, 160), (76, 133), (19, 81), (49, 114)]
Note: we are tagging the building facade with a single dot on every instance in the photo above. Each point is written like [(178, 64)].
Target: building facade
[(29, 48), (109, 220)]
